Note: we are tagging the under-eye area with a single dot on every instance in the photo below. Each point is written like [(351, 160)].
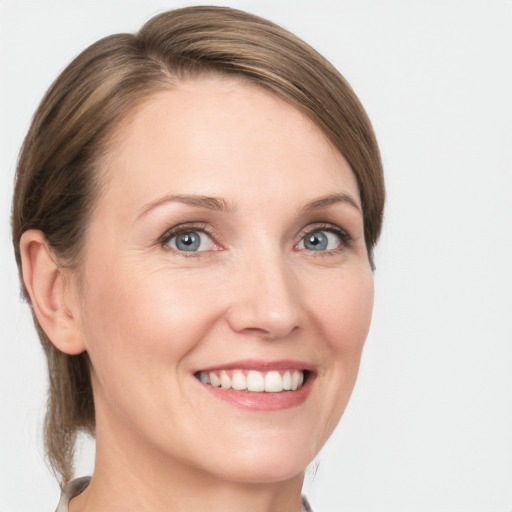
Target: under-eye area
[(274, 381)]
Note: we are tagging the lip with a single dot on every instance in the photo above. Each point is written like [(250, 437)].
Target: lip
[(262, 401), (260, 365)]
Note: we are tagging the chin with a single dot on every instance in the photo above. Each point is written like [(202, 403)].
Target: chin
[(253, 471), (266, 461)]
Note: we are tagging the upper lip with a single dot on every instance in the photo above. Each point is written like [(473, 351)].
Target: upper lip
[(260, 365)]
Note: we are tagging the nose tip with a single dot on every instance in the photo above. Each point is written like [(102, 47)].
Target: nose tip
[(267, 303), (259, 318)]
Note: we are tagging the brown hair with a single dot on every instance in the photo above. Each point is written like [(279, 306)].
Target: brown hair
[(56, 183)]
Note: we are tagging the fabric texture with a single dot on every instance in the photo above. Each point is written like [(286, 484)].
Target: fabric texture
[(75, 487), (72, 489)]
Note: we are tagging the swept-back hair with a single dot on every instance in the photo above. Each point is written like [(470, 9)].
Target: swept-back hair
[(58, 178)]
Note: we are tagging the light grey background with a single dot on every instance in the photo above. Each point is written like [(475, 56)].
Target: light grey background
[(429, 427)]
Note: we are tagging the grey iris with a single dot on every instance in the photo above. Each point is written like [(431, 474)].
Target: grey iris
[(188, 241), (316, 241)]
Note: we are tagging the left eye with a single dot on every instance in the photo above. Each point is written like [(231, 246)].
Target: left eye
[(191, 241), (320, 240)]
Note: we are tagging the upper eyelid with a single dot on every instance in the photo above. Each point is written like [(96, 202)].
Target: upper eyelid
[(190, 226), (324, 226)]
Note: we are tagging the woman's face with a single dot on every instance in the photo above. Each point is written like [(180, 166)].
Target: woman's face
[(226, 249)]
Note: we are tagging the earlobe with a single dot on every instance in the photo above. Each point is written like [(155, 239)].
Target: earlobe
[(50, 293)]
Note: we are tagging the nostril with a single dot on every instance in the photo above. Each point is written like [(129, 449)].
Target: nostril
[(265, 305)]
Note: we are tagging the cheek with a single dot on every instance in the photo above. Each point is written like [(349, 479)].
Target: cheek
[(139, 328), (344, 311), (341, 314), (144, 315)]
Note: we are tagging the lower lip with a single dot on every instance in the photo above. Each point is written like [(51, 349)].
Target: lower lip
[(263, 401)]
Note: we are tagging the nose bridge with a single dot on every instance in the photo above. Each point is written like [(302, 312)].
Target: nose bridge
[(267, 301)]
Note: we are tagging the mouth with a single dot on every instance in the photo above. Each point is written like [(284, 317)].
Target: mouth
[(254, 381), (259, 386)]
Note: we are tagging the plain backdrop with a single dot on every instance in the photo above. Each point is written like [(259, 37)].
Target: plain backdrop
[(429, 427)]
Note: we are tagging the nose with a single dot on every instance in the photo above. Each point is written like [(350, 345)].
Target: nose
[(266, 302)]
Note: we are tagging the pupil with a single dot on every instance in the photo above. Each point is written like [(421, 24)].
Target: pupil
[(316, 241), (188, 242)]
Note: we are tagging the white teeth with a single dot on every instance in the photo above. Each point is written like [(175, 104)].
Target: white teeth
[(295, 381), (271, 382), (287, 381), (214, 379), (255, 381), (225, 380), (238, 381)]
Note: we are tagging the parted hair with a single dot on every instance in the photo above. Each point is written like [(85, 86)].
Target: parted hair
[(58, 178)]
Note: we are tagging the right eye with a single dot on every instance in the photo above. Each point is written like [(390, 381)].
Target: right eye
[(190, 241), (320, 240)]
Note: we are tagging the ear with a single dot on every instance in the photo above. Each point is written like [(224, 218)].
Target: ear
[(51, 293)]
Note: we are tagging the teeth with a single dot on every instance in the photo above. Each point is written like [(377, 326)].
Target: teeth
[(255, 381), (270, 382), (273, 382), (214, 379), (287, 381), (225, 380), (295, 381), (238, 381)]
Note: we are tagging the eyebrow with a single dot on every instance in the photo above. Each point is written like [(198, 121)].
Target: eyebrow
[(221, 205), (210, 203), (324, 202)]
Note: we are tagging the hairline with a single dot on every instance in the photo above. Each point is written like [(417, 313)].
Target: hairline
[(172, 82)]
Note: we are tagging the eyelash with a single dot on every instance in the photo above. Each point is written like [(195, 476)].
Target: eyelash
[(187, 228), (345, 239)]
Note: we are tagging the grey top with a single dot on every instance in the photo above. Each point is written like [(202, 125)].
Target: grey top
[(75, 487), (72, 489)]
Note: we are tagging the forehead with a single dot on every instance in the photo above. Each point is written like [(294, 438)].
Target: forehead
[(216, 135)]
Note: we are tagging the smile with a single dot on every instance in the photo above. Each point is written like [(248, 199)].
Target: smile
[(274, 381), (259, 385)]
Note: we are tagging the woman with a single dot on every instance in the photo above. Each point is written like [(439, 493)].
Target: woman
[(195, 212)]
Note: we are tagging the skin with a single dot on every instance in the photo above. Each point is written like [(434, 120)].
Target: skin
[(150, 316)]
